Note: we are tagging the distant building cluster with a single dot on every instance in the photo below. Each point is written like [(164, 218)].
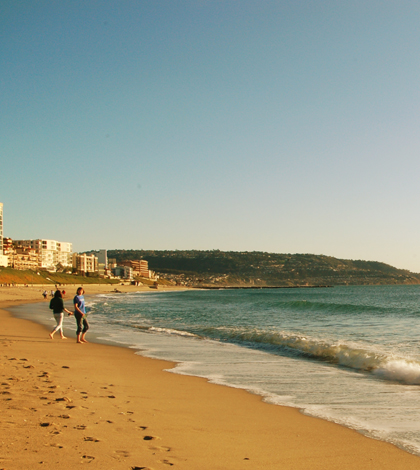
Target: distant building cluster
[(139, 267), (53, 255), (3, 258)]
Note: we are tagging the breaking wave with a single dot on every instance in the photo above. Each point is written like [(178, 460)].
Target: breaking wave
[(361, 358), (381, 364)]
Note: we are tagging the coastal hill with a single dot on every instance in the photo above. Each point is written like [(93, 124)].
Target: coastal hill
[(229, 268)]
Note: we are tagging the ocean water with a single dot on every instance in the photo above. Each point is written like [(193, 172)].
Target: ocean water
[(350, 355)]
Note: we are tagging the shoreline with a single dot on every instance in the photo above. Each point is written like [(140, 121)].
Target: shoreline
[(64, 403)]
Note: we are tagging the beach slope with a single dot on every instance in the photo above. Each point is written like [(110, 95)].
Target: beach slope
[(64, 404)]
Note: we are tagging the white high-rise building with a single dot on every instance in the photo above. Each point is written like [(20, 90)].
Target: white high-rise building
[(51, 252), (3, 259), (1, 228)]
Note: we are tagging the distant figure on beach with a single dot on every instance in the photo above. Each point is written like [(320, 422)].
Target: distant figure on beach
[(57, 306), (52, 293), (80, 315), (45, 293), (63, 292)]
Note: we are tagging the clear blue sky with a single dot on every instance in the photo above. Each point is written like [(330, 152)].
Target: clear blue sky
[(280, 126)]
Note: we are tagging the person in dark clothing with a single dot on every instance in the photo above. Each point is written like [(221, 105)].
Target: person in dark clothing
[(57, 306)]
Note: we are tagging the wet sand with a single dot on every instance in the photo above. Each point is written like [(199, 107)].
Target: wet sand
[(64, 404)]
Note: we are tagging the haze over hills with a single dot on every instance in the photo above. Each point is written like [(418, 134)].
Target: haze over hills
[(220, 268)]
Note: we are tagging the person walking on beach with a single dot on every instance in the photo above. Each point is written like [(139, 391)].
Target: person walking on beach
[(57, 306), (45, 294), (80, 315)]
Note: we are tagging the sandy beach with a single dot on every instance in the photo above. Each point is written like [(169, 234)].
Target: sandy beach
[(64, 404)]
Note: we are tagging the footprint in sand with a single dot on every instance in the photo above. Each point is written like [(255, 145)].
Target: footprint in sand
[(150, 438), (69, 400), (80, 427), (166, 462), (55, 445), (91, 439), (122, 453), (88, 457), (161, 449)]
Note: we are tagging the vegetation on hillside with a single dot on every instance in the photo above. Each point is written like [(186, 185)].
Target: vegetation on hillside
[(265, 269)]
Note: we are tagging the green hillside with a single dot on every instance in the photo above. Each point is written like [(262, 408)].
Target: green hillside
[(14, 276), (219, 268)]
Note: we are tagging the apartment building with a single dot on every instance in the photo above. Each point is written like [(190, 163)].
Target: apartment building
[(124, 272), (102, 261), (65, 253), (103, 258), (33, 254), (19, 257), (51, 252), (3, 259), (85, 263), (112, 263), (140, 267), (1, 228), (24, 258)]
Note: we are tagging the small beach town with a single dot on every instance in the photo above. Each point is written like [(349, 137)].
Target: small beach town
[(55, 256)]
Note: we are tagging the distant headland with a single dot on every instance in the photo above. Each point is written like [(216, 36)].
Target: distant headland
[(217, 268)]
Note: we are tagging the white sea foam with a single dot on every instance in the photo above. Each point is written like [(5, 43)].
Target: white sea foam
[(170, 331), (354, 355), (401, 370)]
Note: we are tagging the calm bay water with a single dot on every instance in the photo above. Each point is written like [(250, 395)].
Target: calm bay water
[(347, 354)]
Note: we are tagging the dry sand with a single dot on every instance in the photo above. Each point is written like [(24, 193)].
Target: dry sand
[(64, 405)]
